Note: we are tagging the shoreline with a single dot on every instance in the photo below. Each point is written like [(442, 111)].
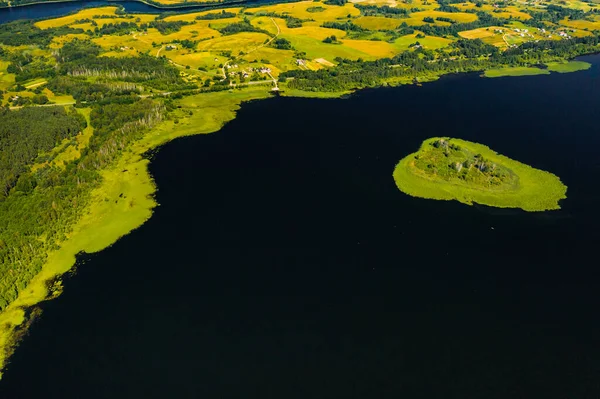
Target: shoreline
[(158, 7), (131, 188)]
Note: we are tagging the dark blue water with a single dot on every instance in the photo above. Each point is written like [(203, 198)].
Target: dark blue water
[(49, 10), (284, 263)]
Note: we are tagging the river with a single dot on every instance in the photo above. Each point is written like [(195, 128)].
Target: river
[(283, 261), (57, 9)]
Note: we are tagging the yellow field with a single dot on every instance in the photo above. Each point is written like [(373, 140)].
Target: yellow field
[(244, 41), (373, 48), (492, 35), (428, 42), (455, 16), (315, 32), (420, 4), (190, 32), (298, 10), (507, 12), (69, 19), (581, 24), (281, 60), (192, 16), (378, 23), (196, 60)]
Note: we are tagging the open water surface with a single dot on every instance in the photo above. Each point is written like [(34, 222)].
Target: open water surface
[(284, 263)]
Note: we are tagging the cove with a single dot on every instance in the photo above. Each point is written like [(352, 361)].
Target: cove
[(284, 262)]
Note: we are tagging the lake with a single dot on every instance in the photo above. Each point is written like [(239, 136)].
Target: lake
[(283, 261)]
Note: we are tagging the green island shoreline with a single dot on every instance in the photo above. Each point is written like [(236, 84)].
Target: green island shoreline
[(534, 190)]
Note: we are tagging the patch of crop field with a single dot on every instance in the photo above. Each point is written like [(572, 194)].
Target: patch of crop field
[(506, 12), (314, 65), (581, 24), (315, 32), (515, 71), (317, 49), (416, 18), (420, 4), (428, 42), (59, 41), (373, 48), (188, 32), (110, 42), (324, 62), (478, 33), (196, 60), (580, 33), (269, 24), (244, 41), (283, 60), (70, 19), (33, 83), (455, 16), (578, 5), (378, 23), (299, 10), (6, 79), (191, 17)]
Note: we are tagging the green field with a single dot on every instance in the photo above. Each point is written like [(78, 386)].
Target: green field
[(567, 67), (520, 185), (515, 71)]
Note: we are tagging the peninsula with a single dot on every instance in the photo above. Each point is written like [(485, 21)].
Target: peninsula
[(453, 169)]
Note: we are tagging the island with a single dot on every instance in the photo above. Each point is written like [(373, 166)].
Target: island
[(452, 169), (85, 95)]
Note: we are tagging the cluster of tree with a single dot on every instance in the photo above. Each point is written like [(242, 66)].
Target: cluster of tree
[(386, 11), (25, 67), (26, 133), (335, 2), (115, 28), (347, 26), (19, 33), (153, 72), (165, 27), (555, 13), (186, 43), (243, 26), (331, 40), (282, 44), (472, 48), (216, 15)]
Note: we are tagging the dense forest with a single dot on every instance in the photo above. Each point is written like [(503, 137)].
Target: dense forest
[(43, 203)]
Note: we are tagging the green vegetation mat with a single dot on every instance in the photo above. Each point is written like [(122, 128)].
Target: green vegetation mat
[(453, 169)]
